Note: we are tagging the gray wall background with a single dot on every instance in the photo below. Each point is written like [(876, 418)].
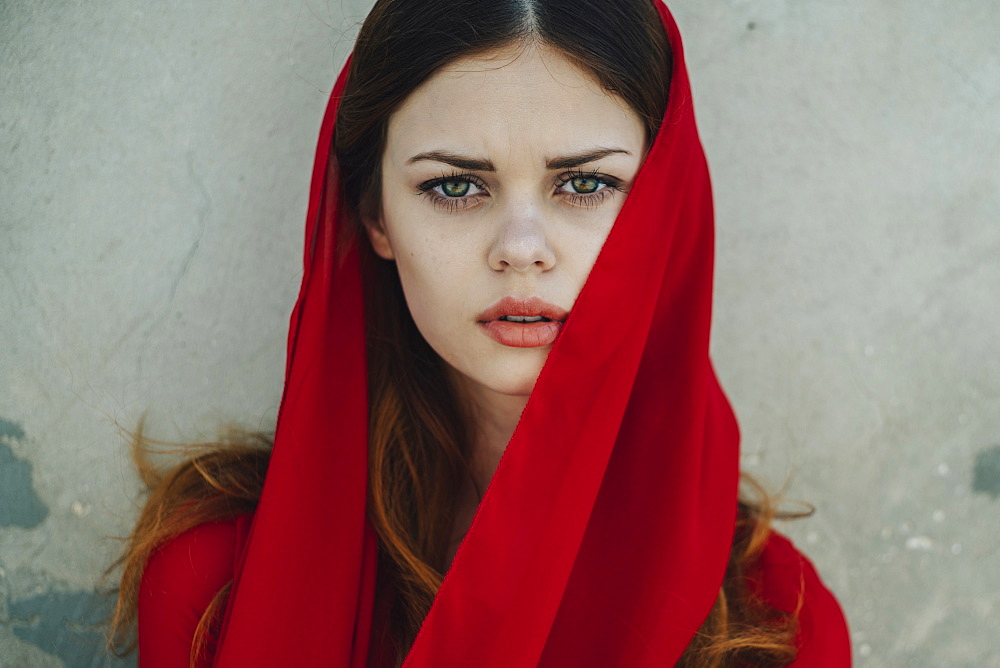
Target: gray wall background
[(154, 168)]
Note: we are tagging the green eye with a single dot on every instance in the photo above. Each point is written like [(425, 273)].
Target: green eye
[(455, 188), (585, 185)]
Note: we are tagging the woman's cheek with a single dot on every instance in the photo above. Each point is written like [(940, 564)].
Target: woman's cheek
[(432, 292)]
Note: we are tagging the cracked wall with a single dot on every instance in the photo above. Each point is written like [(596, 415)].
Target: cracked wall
[(153, 179)]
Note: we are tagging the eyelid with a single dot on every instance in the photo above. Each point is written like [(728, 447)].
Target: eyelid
[(435, 182), (569, 175)]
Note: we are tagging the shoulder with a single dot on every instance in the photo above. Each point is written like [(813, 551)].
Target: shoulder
[(789, 582), (180, 580)]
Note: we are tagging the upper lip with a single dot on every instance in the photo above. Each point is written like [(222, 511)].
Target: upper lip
[(529, 307)]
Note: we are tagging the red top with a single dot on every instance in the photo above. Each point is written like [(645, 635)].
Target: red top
[(180, 580), (184, 575), (605, 544)]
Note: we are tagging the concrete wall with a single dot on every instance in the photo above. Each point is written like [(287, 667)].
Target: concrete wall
[(154, 162)]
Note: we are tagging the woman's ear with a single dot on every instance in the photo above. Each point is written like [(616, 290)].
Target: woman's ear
[(379, 240)]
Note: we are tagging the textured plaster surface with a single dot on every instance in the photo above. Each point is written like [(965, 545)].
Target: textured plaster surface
[(154, 166)]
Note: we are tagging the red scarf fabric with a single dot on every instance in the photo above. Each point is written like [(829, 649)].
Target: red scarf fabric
[(604, 535)]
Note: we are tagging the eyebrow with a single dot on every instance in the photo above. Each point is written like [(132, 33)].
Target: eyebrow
[(485, 165), (583, 158)]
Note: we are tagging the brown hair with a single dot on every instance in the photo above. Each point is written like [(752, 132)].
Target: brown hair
[(419, 432)]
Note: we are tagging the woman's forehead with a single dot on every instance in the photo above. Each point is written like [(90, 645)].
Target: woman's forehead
[(530, 100)]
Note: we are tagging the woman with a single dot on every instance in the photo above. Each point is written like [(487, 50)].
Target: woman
[(501, 441)]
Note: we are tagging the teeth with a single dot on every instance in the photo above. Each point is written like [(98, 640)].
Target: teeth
[(523, 318)]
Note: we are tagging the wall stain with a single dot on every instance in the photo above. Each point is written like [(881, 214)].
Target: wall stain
[(10, 429), (986, 473), (19, 505), (69, 625)]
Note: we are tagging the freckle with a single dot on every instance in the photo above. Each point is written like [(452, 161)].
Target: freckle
[(751, 25)]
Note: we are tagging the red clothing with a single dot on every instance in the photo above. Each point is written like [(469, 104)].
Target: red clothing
[(784, 573), (177, 586), (183, 576)]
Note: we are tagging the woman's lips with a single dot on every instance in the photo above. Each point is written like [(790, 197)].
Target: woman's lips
[(523, 334)]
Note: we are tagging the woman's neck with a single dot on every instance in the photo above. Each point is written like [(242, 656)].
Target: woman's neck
[(494, 416)]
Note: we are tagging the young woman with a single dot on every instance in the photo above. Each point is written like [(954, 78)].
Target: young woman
[(501, 441)]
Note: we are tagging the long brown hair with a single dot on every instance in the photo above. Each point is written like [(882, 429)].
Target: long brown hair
[(420, 434)]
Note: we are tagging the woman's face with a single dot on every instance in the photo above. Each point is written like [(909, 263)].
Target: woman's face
[(501, 178)]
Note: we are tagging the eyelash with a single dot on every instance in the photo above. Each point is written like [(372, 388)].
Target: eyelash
[(452, 204)]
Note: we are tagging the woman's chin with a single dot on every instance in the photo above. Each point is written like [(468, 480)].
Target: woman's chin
[(515, 389), (512, 375), (512, 381)]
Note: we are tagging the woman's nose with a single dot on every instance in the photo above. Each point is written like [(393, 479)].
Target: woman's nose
[(522, 243)]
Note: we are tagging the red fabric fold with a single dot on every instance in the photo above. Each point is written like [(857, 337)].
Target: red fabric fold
[(604, 535)]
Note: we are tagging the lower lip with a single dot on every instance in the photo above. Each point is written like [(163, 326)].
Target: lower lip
[(522, 335)]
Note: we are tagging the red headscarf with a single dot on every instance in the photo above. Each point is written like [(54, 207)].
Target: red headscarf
[(604, 535)]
